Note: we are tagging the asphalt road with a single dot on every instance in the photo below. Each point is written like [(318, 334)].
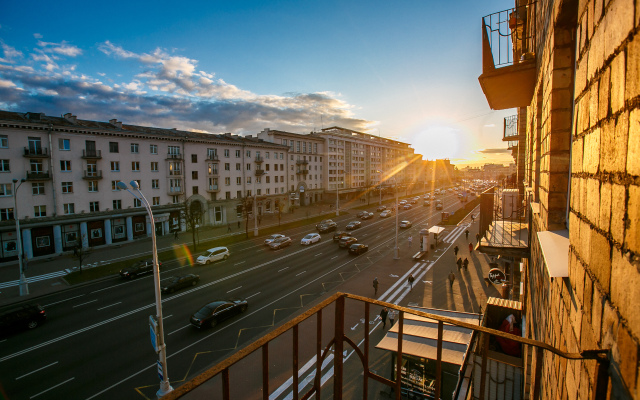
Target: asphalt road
[(96, 344)]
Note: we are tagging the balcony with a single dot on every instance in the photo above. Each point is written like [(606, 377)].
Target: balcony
[(36, 152), (38, 176), (91, 154), (510, 129), (92, 175), (424, 355), (174, 156), (504, 223), (302, 171), (508, 59), (260, 172), (302, 162), (175, 190), (212, 157), (258, 159), (212, 188)]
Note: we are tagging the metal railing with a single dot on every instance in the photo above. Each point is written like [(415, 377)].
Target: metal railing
[(91, 154), (504, 218), (510, 126), (258, 352), (511, 33), (38, 176), (36, 152)]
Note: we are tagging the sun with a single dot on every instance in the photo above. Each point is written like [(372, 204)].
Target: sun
[(436, 141)]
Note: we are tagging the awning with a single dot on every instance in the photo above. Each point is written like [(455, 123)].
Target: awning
[(555, 250), (436, 229), (420, 336)]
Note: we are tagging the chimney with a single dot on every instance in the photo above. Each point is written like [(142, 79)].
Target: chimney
[(116, 123), (228, 134), (71, 118)]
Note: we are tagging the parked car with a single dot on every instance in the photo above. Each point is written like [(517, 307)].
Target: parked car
[(353, 225), (367, 215), (407, 207), (324, 228), (339, 235), (358, 248), (347, 241), (381, 208), (141, 267), (311, 238), (405, 224), (214, 254), (179, 282), (213, 313), (385, 214), (26, 316), (273, 237), (280, 243)]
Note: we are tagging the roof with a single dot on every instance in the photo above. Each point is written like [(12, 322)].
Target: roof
[(420, 336), (436, 229)]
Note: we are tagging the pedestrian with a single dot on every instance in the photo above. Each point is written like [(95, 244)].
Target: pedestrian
[(411, 279), (459, 262), (383, 317), (410, 240), (466, 233), (473, 218), (478, 237), (465, 263), (375, 286), (239, 224), (175, 234), (392, 317), (470, 248), (228, 227), (259, 219), (452, 278), (455, 250)]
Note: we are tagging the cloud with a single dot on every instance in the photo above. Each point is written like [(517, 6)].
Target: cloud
[(167, 91), (9, 54), (37, 36), (495, 151)]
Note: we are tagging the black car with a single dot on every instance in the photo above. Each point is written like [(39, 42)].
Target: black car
[(140, 268), (280, 243), (381, 208), (326, 222), (361, 213), (217, 311), (21, 317), (324, 228), (339, 235), (358, 248), (347, 241), (179, 282), (353, 225)]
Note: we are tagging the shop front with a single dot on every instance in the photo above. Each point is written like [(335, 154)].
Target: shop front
[(118, 230), (96, 233), (42, 241)]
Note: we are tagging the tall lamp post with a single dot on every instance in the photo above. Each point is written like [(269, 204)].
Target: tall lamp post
[(165, 387), (24, 286), (255, 207), (396, 250), (338, 198)]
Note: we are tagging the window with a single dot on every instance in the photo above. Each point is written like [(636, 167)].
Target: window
[(5, 189), (175, 168), (40, 211), (248, 193), (194, 158), (113, 147), (64, 144), (276, 179), (115, 166), (67, 187), (69, 208), (238, 155), (266, 167), (175, 199), (175, 185), (284, 142), (4, 141), (239, 194), (238, 167), (227, 181), (194, 174), (194, 189), (4, 166), (275, 167), (227, 167), (135, 166), (226, 153), (114, 186), (94, 206), (248, 180), (266, 155), (268, 179), (238, 181), (249, 153), (174, 150), (248, 167), (227, 195), (137, 203), (155, 183), (212, 154), (93, 186), (213, 169), (156, 201), (154, 166), (135, 148), (37, 188), (6, 214), (117, 204), (153, 148)]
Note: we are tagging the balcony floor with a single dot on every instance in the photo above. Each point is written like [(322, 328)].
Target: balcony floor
[(510, 238)]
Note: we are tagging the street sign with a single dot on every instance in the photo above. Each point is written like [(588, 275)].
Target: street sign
[(160, 371), (496, 276), (153, 332)]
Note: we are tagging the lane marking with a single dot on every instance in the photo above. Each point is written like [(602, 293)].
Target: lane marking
[(318, 254), (110, 305), (39, 369), (179, 329), (234, 289), (333, 257), (168, 316), (82, 304), (241, 262), (246, 298), (51, 388), (62, 301), (280, 270), (301, 273)]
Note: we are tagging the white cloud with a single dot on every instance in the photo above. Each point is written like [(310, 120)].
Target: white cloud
[(37, 36), (62, 48), (10, 54)]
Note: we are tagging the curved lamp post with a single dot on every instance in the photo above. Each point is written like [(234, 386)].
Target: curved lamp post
[(24, 286), (165, 387)]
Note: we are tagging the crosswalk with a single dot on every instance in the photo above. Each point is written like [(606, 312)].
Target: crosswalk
[(32, 279), (455, 233)]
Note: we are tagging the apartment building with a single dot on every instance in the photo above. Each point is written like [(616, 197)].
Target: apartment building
[(572, 75), (67, 170), (305, 166)]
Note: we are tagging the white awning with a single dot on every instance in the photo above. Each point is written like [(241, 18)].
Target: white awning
[(555, 250), (436, 229)]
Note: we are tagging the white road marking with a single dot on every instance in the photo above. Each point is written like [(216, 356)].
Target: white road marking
[(179, 329), (39, 369), (168, 316), (246, 298), (318, 254), (82, 304), (110, 305), (280, 270), (301, 273), (51, 388), (234, 289), (62, 301), (334, 257), (241, 262)]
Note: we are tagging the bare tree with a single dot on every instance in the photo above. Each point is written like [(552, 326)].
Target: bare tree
[(80, 253), (247, 211), (191, 213)]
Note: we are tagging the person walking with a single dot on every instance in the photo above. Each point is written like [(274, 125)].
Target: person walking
[(375, 286), (466, 234), (452, 278), (175, 234), (411, 279), (239, 224), (478, 237), (228, 228), (470, 248), (410, 240), (459, 262), (383, 317), (465, 263), (392, 317), (473, 218), (455, 250)]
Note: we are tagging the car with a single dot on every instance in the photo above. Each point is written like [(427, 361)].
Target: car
[(339, 235), (403, 202), (358, 248), (426, 203), (367, 215), (405, 224), (325, 222), (310, 239), (407, 207), (413, 201), (280, 243), (213, 254), (326, 228), (347, 241), (26, 316), (381, 208), (273, 237), (141, 267), (353, 225), (460, 195), (213, 313), (439, 206), (361, 213), (179, 282), (385, 214)]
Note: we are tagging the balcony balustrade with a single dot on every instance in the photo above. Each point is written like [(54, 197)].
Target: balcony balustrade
[(212, 188), (38, 176), (504, 223), (91, 154), (510, 131), (212, 157), (302, 171), (175, 190), (36, 152), (92, 175), (258, 159), (174, 156), (260, 172), (302, 162)]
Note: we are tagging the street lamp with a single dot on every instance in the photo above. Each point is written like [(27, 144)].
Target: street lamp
[(338, 198), (165, 387), (396, 250), (24, 286), (255, 207)]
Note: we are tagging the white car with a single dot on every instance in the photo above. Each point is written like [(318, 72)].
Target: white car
[(405, 224), (385, 214), (214, 254), (310, 238), (271, 238)]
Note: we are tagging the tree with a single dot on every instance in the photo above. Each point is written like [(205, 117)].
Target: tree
[(80, 253), (191, 213), (246, 203)]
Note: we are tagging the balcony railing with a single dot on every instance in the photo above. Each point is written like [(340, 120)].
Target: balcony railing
[(91, 154), (36, 152), (92, 175), (258, 159), (212, 188), (174, 156), (212, 157), (305, 335), (302, 162), (259, 172), (504, 223), (302, 171), (38, 176), (510, 131), (176, 190)]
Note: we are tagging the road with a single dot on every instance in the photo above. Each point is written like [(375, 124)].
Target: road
[(95, 343)]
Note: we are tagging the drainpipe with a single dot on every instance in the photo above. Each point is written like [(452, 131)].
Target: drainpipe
[(573, 87), (53, 176)]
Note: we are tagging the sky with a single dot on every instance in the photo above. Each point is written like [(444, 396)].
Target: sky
[(402, 70)]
